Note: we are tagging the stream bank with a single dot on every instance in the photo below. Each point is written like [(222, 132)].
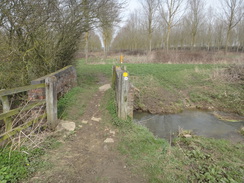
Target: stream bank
[(200, 123)]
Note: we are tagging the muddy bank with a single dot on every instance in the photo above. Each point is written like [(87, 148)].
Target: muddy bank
[(173, 104)]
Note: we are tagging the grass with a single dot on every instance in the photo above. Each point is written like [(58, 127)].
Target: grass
[(191, 82), (186, 160), (194, 159), (18, 165), (175, 86), (72, 105)]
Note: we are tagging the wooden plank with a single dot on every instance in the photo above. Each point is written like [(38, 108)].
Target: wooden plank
[(20, 89), (21, 109), (51, 102), (12, 132), (6, 108)]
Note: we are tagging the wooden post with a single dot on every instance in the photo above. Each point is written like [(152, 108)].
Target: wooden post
[(6, 108), (114, 77), (51, 101), (118, 92), (121, 59), (124, 95), (122, 87)]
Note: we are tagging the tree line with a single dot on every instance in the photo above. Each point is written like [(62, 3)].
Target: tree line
[(39, 37), (183, 24)]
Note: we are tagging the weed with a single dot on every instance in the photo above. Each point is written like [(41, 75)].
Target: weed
[(18, 165), (212, 160)]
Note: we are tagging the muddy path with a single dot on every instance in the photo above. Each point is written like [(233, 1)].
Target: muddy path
[(85, 157)]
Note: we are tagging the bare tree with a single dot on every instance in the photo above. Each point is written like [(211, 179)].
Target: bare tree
[(195, 18), (108, 17), (240, 35), (233, 12), (210, 26), (39, 37), (171, 12), (131, 36), (150, 8)]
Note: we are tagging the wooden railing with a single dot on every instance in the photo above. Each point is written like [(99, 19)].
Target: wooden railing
[(50, 113)]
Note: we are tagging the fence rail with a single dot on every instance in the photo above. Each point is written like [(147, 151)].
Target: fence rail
[(20, 109), (51, 107), (20, 89)]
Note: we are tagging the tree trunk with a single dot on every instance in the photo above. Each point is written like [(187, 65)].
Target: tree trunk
[(227, 41), (150, 42), (87, 45), (167, 39)]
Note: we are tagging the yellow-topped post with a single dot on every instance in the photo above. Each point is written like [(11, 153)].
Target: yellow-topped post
[(121, 59)]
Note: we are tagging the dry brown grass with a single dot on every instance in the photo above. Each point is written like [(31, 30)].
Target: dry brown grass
[(29, 134), (179, 56), (232, 74), (199, 57)]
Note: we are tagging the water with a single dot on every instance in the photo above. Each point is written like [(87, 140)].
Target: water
[(200, 122)]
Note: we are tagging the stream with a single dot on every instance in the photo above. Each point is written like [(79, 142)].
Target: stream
[(200, 122)]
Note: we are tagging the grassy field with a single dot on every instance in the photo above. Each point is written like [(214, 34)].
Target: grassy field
[(203, 86), (170, 88), (173, 87), (184, 160)]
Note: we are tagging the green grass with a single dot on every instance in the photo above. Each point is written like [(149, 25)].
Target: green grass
[(194, 159), (177, 82), (186, 160), (193, 82), (72, 105), (171, 76)]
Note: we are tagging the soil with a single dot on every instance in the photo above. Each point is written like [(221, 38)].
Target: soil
[(157, 100), (84, 156)]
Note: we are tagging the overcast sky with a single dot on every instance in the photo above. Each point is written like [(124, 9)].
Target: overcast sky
[(134, 4)]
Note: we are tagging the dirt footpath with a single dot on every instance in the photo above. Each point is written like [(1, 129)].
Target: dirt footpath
[(85, 157)]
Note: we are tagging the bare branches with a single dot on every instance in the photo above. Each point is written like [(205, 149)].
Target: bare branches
[(150, 10), (108, 18), (195, 18), (42, 36), (233, 13), (171, 12)]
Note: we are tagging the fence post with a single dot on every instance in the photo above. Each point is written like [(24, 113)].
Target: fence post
[(114, 77), (6, 108), (51, 101), (124, 95), (118, 91)]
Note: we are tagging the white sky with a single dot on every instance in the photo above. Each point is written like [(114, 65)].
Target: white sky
[(134, 4)]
